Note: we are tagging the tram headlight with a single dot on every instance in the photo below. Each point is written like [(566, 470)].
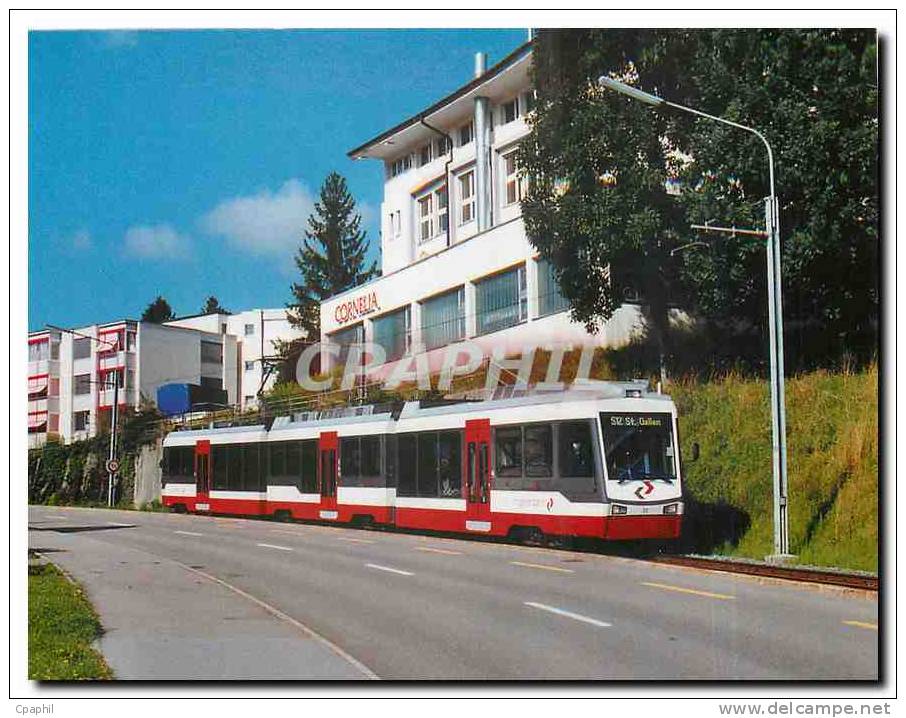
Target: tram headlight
[(617, 510), (671, 508)]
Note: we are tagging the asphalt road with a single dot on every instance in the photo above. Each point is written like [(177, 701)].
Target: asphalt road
[(185, 596)]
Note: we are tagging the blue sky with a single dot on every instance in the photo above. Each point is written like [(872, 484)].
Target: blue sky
[(185, 163)]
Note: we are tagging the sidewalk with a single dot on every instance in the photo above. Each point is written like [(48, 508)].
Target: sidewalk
[(163, 622)]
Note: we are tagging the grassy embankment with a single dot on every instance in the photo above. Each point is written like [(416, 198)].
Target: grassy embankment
[(832, 430), (61, 626)]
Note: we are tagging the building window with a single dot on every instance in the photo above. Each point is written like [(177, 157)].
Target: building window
[(397, 167), (249, 329), (249, 399), (528, 102), (467, 197), (392, 332), (130, 341), (425, 154), (211, 353), (444, 319), (440, 147), (80, 420), (501, 301), (432, 213), (344, 339), (510, 110), (38, 351), (466, 133), (81, 384), (514, 189), (550, 300), (81, 348), (223, 328), (396, 225), (250, 366)]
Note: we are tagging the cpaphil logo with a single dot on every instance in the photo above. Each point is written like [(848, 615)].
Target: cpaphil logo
[(550, 504)]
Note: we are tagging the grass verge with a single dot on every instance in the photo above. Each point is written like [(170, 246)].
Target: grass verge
[(61, 626)]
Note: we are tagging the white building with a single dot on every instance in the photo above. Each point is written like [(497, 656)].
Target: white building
[(456, 262), (258, 333), (70, 373)]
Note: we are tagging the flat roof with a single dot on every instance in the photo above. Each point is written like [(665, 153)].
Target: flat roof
[(505, 63)]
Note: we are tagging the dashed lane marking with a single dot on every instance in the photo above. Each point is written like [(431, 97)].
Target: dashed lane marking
[(188, 533), (277, 613), (542, 566), (353, 540), (693, 591), (569, 614), (444, 551), (120, 524), (275, 546), (389, 569), (862, 624)]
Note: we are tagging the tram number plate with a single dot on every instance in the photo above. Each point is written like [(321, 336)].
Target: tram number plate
[(328, 514), (202, 507)]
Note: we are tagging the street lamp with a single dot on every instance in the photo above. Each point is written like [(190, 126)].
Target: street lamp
[(775, 316)]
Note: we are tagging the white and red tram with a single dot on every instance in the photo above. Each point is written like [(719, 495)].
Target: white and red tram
[(601, 461)]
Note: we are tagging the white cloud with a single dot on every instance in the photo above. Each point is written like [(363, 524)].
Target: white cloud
[(155, 242), (266, 223), (81, 240)]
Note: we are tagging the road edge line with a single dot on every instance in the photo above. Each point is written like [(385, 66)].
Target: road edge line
[(277, 613)]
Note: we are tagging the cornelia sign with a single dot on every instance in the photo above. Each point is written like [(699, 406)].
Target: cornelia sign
[(356, 308)]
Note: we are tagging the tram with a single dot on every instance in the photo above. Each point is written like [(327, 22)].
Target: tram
[(599, 461)]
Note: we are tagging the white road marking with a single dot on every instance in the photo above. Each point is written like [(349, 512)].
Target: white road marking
[(277, 613), (569, 614), (391, 570), (117, 523), (58, 518), (271, 545), (188, 533), (545, 567), (438, 550), (354, 540)]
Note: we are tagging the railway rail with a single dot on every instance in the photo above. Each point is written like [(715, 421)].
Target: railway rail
[(861, 581)]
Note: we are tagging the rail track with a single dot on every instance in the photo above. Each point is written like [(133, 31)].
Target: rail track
[(861, 581)]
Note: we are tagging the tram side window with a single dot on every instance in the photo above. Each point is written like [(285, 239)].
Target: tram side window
[(251, 468), (427, 464), (370, 453), (406, 465), (277, 471), (308, 482), (508, 447), (350, 459), (449, 463), (179, 464), (539, 451), (219, 468), (576, 456), (390, 460)]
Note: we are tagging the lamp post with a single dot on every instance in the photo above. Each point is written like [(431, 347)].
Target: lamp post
[(775, 316)]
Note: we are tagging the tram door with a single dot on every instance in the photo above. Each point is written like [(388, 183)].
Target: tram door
[(478, 475), (327, 474), (202, 475)]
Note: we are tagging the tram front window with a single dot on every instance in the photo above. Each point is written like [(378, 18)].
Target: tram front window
[(638, 446)]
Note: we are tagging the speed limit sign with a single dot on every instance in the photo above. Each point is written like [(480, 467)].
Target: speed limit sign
[(112, 466)]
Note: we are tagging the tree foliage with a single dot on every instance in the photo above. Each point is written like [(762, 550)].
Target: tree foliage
[(158, 311), (600, 162), (212, 306), (332, 256)]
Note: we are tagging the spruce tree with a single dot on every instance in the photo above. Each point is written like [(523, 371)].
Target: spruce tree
[(332, 256), (158, 311)]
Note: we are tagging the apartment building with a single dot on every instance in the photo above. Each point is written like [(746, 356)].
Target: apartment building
[(72, 373), (258, 333), (456, 261)]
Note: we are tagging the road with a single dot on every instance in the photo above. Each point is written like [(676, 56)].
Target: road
[(185, 596)]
